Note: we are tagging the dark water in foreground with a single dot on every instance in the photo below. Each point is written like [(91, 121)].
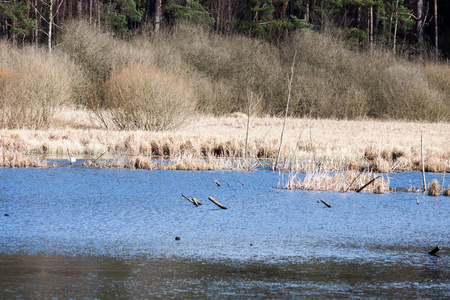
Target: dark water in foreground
[(79, 233)]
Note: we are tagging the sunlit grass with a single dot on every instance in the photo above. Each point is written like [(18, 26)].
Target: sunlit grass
[(382, 146), (341, 181)]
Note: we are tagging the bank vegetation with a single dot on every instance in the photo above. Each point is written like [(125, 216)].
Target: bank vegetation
[(185, 95)]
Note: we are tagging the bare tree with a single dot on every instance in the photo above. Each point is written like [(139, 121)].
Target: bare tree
[(50, 20)]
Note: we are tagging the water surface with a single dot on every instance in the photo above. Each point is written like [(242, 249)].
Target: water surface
[(73, 232)]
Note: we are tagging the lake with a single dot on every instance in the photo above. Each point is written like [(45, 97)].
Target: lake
[(75, 232)]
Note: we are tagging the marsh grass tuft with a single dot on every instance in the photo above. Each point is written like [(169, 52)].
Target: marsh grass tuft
[(434, 189), (447, 192), (341, 181)]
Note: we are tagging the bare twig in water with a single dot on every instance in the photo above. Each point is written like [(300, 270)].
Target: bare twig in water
[(435, 250), (324, 202), (217, 203), (360, 189)]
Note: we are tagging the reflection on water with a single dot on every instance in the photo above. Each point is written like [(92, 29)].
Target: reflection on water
[(73, 232), (138, 278)]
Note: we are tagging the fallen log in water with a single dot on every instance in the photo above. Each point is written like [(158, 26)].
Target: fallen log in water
[(360, 189), (435, 250), (218, 184), (217, 203), (196, 202), (324, 202), (190, 200), (241, 182)]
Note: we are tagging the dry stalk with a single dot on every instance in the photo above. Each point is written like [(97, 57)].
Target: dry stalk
[(287, 110)]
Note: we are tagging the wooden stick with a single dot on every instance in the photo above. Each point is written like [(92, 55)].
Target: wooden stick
[(100, 156), (241, 182), (324, 202), (228, 184), (423, 166), (217, 203), (190, 200), (274, 189), (196, 202), (417, 200), (360, 189), (435, 250), (353, 181), (218, 184)]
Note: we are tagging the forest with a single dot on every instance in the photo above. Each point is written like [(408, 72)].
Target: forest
[(404, 26), (153, 64)]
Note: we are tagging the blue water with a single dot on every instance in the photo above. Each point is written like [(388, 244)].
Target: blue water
[(75, 217)]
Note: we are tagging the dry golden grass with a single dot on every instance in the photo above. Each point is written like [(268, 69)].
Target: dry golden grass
[(13, 154), (383, 146), (340, 181)]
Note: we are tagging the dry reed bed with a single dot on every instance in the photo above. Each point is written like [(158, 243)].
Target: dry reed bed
[(12, 154), (180, 162), (342, 181), (384, 146)]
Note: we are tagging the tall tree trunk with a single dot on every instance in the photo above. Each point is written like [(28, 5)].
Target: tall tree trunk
[(79, 8), (70, 9), (13, 27), (230, 17), (283, 7), (219, 12), (358, 17), (91, 6), (436, 49), (158, 4), (36, 23), (371, 27), (307, 12), (395, 28), (50, 25), (64, 10), (419, 25)]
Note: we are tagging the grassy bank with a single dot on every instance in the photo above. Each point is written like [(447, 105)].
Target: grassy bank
[(383, 146)]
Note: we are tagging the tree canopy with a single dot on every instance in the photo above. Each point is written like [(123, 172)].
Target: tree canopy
[(405, 26)]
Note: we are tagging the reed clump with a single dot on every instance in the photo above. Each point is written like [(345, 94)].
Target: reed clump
[(447, 192), (434, 189), (187, 162), (341, 181), (12, 155)]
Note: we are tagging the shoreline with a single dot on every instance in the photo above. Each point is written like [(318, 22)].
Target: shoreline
[(382, 146)]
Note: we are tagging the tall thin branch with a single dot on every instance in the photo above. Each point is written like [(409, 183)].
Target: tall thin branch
[(287, 110)]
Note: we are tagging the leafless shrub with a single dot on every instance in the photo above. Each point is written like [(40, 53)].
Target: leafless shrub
[(141, 97), (33, 85)]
